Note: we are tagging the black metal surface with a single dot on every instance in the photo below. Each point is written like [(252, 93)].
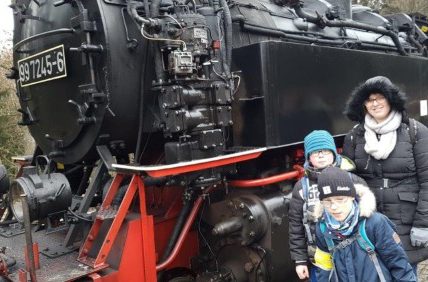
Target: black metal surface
[(70, 132), (291, 89)]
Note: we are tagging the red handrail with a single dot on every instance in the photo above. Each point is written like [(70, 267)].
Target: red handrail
[(249, 183)]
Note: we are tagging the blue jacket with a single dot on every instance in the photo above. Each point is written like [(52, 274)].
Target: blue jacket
[(352, 263)]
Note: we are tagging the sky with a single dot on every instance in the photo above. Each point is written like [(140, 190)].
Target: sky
[(6, 21)]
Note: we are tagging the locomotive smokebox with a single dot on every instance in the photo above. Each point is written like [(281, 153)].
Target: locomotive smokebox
[(4, 180), (46, 194)]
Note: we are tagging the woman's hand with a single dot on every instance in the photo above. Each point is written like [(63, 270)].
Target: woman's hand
[(302, 271)]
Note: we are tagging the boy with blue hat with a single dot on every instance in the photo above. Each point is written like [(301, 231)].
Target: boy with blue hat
[(320, 153)]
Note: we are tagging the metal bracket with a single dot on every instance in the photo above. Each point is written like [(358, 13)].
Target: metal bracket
[(106, 157), (82, 109), (12, 231)]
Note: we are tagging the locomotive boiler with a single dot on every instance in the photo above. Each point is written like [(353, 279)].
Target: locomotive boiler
[(199, 106)]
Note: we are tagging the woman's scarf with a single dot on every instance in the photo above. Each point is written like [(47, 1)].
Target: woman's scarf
[(345, 227), (380, 149)]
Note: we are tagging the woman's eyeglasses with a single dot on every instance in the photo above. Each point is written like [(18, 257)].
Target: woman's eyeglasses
[(337, 202), (379, 100), (321, 153)]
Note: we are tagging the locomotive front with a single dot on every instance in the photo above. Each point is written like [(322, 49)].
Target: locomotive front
[(171, 83)]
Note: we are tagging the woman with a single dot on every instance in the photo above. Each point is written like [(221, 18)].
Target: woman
[(390, 152), (354, 243), (320, 152)]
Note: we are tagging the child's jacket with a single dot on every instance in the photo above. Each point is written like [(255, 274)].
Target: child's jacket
[(352, 263)]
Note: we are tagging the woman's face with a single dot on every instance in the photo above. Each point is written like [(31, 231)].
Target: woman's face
[(378, 107), (338, 206)]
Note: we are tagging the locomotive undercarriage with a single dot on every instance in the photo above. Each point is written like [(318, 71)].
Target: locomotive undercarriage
[(200, 108)]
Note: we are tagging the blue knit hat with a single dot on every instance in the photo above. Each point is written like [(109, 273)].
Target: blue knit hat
[(319, 140)]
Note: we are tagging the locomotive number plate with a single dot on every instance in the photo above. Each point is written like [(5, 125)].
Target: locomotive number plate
[(41, 67)]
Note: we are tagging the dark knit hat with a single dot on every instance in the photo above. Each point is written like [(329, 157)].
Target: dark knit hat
[(319, 140), (334, 181)]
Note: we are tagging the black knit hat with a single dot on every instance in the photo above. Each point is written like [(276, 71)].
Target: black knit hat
[(334, 181)]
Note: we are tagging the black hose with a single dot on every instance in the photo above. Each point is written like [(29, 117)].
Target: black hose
[(177, 229), (323, 22), (193, 4), (228, 34), (415, 42), (278, 33), (132, 7)]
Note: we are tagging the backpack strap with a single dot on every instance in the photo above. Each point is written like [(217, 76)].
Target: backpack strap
[(354, 136), (331, 249), (363, 241), (305, 191), (329, 241), (413, 130), (368, 246)]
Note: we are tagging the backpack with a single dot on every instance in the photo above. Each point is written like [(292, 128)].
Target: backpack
[(362, 240)]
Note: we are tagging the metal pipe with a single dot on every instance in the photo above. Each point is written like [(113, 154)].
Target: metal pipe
[(177, 228), (281, 34), (323, 22), (41, 35), (184, 232), (28, 238), (295, 174)]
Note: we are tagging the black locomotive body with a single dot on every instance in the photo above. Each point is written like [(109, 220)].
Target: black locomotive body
[(165, 82)]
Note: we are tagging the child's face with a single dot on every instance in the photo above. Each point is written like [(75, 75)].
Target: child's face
[(338, 206), (321, 158)]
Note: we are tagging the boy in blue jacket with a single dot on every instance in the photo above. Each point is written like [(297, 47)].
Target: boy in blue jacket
[(355, 243)]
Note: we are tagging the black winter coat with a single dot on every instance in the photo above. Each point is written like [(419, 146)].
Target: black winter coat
[(399, 182)]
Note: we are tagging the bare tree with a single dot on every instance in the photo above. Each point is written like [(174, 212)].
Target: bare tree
[(14, 140), (406, 6), (374, 4), (396, 6)]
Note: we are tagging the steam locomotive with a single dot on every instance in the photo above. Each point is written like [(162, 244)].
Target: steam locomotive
[(199, 106)]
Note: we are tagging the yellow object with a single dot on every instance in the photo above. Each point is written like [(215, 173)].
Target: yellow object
[(59, 165), (323, 260), (424, 28)]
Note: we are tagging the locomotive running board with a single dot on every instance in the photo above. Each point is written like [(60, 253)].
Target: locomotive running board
[(184, 167)]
